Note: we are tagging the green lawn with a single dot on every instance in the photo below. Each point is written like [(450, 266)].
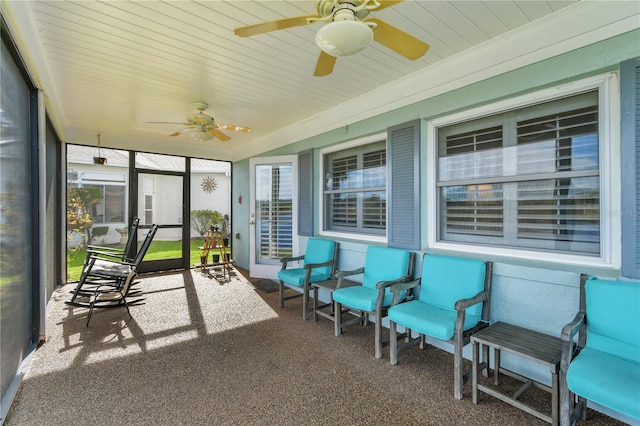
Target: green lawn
[(157, 250)]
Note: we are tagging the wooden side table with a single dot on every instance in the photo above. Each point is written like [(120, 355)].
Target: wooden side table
[(329, 285), (528, 344)]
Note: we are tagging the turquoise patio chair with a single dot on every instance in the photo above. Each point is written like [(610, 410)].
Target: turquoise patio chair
[(383, 267), (603, 366), (319, 264), (453, 303)]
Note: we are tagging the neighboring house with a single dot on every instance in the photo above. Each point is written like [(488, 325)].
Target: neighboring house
[(210, 189)]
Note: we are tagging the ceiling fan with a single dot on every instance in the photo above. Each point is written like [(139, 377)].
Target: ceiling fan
[(202, 127), (347, 31)]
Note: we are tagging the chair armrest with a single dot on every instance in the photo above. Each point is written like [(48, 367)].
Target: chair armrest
[(341, 274), (103, 248), (385, 284), (463, 304), (568, 333), (382, 285), (317, 265), (286, 260), (397, 288), (105, 254), (114, 262)]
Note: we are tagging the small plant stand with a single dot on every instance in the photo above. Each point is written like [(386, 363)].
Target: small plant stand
[(214, 243)]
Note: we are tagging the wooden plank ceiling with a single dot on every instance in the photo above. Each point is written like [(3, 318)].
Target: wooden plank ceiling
[(113, 66)]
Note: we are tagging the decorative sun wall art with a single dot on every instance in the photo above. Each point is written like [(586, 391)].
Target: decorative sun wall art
[(209, 184)]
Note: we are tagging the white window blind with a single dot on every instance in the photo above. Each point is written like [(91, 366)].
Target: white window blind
[(355, 189), (275, 214), (527, 178)]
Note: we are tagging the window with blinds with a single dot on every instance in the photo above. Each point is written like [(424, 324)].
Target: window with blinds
[(275, 211), (527, 178), (355, 189)]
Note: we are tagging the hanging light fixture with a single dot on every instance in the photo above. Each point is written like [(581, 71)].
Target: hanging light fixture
[(346, 35), (344, 38), (200, 135), (99, 159)]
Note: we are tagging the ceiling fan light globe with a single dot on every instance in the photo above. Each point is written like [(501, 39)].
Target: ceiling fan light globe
[(200, 136), (344, 38)]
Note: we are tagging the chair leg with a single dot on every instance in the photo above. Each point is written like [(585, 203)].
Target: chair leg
[(305, 303), (457, 368), (89, 314), (378, 335), (582, 406), (570, 410), (281, 288), (315, 303), (338, 318), (393, 343), (83, 278)]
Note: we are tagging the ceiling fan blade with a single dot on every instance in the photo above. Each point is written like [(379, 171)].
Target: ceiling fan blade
[(279, 24), (233, 127), (218, 134), (384, 4), (180, 132), (325, 64), (397, 40)]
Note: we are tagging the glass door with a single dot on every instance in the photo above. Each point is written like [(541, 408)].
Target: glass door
[(273, 227)]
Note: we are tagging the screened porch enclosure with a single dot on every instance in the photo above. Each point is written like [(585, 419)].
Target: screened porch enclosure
[(158, 189)]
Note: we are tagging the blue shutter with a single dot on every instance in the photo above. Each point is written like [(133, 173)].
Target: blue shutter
[(403, 206), (305, 193), (630, 132)]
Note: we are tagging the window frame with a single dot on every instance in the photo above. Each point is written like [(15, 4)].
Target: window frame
[(148, 210), (379, 238), (90, 178), (609, 157)]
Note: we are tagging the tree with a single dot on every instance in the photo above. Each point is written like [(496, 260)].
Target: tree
[(79, 201), (202, 220)]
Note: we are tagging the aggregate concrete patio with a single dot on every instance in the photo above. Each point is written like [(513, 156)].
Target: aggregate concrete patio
[(202, 350)]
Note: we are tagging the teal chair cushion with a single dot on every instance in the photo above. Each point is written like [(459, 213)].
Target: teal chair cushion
[(381, 264), (296, 276), (428, 319), (318, 251), (616, 386), (384, 264), (360, 297), (447, 279), (613, 318)]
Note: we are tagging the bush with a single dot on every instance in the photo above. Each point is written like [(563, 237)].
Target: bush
[(202, 220)]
